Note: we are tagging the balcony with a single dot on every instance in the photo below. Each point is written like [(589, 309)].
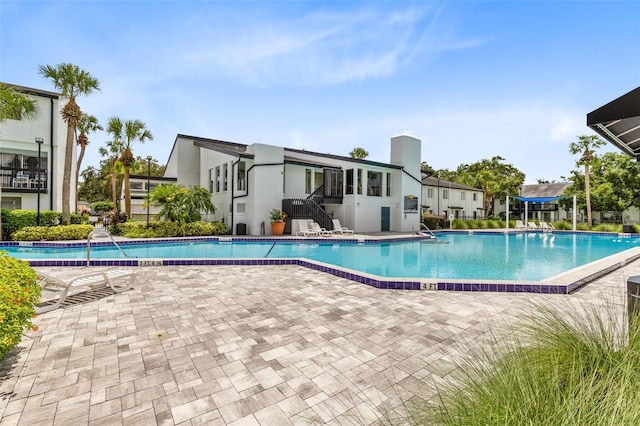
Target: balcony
[(22, 180)]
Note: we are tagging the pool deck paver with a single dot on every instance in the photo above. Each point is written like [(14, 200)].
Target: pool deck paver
[(263, 345)]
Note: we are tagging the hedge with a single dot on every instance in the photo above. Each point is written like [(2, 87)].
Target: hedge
[(19, 291), (14, 220), (133, 229), (53, 233)]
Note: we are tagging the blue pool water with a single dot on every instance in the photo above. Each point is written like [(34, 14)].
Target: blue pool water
[(530, 257)]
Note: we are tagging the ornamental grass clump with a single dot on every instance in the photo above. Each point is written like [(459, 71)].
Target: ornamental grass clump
[(561, 370), (19, 291)]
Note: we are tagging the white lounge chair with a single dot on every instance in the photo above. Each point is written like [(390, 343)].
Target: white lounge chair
[(304, 230), (319, 230), (532, 225), (60, 288), (338, 229), (546, 227), (520, 225)]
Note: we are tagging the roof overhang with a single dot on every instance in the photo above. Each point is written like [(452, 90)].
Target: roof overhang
[(619, 122)]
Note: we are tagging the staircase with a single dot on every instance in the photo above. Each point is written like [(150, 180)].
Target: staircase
[(307, 208)]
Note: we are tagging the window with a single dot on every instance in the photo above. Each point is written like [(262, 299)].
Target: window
[(475, 196), (136, 186), (359, 183), (318, 178), (349, 190), (374, 184), (445, 194), (224, 177), (242, 176), (217, 178), (153, 185), (429, 192), (462, 195), (332, 183), (11, 203), (307, 181), (388, 184)]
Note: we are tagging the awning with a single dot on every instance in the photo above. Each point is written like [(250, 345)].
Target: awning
[(619, 122), (539, 199)]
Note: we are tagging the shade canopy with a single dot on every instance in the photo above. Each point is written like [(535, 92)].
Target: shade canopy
[(619, 122), (539, 199)]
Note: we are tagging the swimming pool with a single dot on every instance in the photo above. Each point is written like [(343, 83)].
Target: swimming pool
[(455, 260)]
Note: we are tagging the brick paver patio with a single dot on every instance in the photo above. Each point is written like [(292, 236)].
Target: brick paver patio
[(242, 345)]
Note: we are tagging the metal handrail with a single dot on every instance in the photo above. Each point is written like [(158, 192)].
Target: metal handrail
[(426, 228), (102, 232)]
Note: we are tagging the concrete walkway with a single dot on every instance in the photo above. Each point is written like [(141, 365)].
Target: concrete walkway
[(242, 345)]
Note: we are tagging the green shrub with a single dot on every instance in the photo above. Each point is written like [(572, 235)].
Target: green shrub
[(19, 291), (14, 220), (432, 222), (608, 227), (161, 229), (460, 224), (496, 224), (115, 218), (52, 233), (102, 206), (563, 368)]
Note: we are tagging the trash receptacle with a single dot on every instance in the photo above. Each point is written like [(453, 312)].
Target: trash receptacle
[(241, 229), (633, 295), (627, 229)]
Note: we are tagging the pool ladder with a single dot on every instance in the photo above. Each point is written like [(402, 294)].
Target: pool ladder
[(101, 233), (425, 230)]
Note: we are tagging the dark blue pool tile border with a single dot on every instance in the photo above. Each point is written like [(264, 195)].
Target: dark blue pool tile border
[(505, 287)]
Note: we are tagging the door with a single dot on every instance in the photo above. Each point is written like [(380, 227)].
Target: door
[(385, 218)]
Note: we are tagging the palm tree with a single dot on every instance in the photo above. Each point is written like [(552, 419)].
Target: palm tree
[(359, 153), (586, 146), (127, 133), (112, 152), (87, 124), (72, 82), (15, 105)]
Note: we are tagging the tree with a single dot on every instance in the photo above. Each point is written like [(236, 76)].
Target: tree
[(95, 184), (126, 133), (614, 177), (140, 164), (86, 124), (495, 178), (112, 163), (586, 146), (359, 153), (180, 204), (72, 82), (426, 169), (15, 105)]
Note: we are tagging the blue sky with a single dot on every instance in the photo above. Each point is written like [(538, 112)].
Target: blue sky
[(471, 79)]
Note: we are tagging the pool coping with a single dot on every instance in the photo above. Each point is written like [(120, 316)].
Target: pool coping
[(564, 283)]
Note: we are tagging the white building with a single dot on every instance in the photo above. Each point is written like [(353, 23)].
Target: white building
[(444, 198), (32, 156), (140, 186), (248, 181)]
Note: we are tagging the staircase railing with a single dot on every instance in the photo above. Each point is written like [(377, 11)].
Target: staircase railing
[(306, 208)]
